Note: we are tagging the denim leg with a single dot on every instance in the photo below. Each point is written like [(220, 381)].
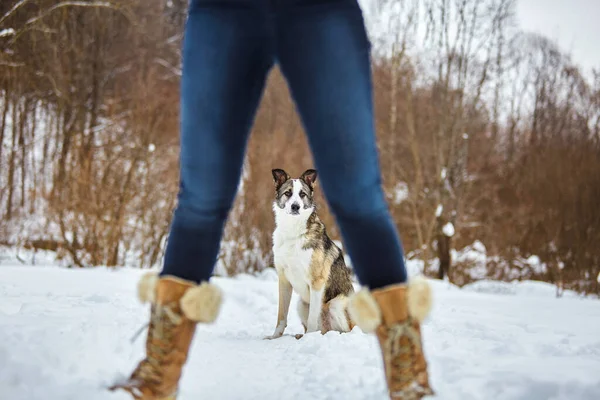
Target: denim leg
[(323, 51), (226, 58)]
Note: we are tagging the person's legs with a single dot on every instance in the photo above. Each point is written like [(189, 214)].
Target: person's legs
[(324, 54), (226, 58)]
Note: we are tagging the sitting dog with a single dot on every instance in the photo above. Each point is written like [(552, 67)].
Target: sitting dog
[(307, 260)]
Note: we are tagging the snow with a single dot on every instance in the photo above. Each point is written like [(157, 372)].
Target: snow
[(517, 288), (65, 334), (537, 265), (7, 32), (475, 257), (400, 192), (448, 229), (478, 265), (439, 210), (444, 173)]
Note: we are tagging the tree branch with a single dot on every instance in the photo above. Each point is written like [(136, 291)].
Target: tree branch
[(13, 10), (99, 4)]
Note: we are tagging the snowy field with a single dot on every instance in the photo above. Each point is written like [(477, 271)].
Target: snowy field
[(65, 334)]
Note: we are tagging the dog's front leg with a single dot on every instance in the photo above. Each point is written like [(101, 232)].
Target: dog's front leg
[(285, 295), (314, 309)]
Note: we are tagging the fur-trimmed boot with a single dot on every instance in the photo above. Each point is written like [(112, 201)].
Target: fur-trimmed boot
[(394, 313), (177, 306)]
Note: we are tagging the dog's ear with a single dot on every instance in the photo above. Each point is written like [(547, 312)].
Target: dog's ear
[(309, 177), (279, 177)]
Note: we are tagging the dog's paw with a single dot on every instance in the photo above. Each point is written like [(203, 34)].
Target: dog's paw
[(274, 336), (299, 336)]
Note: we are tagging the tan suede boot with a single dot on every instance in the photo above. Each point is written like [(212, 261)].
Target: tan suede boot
[(394, 313), (177, 306)]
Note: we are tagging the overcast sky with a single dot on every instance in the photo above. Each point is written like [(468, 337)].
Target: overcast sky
[(574, 24)]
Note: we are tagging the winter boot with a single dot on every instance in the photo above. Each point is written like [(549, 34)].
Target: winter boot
[(176, 307), (394, 313)]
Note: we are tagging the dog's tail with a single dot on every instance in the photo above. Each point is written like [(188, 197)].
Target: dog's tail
[(335, 316)]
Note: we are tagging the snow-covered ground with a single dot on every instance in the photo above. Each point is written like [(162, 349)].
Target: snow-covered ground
[(65, 334)]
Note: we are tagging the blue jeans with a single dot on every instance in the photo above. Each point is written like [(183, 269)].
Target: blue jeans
[(323, 51)]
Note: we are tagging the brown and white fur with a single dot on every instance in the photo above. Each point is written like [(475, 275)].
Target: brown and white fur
[(307, 260)]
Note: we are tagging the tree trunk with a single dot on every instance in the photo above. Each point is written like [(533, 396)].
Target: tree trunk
[(443, 250), (22, 145), (11, 168), (3, 123)]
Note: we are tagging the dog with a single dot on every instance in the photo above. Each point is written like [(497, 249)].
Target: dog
[(307, 260)]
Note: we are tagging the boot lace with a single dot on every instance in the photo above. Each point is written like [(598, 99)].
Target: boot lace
[(163, 320), (399, 361)]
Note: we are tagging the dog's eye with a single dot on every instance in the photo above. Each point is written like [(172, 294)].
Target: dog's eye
[(302, 194), (288, 193)]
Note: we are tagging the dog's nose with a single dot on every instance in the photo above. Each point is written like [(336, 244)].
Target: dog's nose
[(295, 207)]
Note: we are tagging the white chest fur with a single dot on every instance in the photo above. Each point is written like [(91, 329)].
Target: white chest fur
[(289, 256)]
